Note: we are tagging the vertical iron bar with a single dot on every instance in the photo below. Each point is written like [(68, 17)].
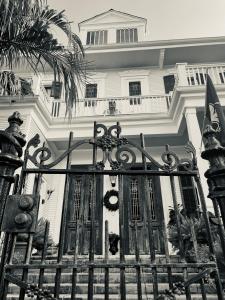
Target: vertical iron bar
[(9, 258), (202, 286), (43, 255), (149, 223), (78, 228), (26, 261), (166, 249), (137, 258), (106, 260), (221, 228), (63, 221), (176, 210), (209, 234), (4, 283), (187, 288), (148, 205), (36, 192), (122, 237), (92, 229)]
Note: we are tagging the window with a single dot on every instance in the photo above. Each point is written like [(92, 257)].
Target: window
[(134, 194), (169, 82), (54, 90), (91, 92), (135, 90), (222, 77), (128, 35), (97, 37)]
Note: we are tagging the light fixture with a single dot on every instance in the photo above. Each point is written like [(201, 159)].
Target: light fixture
[(112, 180)]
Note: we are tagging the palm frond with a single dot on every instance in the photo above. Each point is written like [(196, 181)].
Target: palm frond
[(25, 36)]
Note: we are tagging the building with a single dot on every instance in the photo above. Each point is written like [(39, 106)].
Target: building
[(152, 87)]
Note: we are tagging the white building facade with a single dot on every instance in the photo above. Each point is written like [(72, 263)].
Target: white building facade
[(152, 87)]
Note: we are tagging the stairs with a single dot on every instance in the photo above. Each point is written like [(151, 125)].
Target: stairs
[(114, 282)]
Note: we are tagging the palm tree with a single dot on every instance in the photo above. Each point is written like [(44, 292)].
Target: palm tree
[(26, 36)]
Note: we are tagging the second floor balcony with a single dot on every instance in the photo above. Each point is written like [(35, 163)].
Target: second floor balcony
[(189, 78), (111, 106)]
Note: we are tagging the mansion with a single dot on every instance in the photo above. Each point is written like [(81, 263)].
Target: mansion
[(156, 88)]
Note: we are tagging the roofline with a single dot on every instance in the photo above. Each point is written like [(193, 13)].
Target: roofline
[(111, 9), (158, 44)]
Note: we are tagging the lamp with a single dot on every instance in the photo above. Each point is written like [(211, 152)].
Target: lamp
[(112, 180)]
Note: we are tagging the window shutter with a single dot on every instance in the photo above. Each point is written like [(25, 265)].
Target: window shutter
[(169, 82)]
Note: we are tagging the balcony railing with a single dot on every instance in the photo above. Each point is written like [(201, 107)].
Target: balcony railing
[(195, 75), (114, 106)]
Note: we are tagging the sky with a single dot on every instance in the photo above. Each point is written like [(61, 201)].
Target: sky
[(167, 19)]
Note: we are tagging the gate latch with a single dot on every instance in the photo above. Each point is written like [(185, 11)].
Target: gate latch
[(20, 214)]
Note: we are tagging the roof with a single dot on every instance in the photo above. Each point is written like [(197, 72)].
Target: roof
[(111, 10)]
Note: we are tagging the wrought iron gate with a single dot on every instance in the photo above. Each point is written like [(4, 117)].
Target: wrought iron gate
[(21, 213)]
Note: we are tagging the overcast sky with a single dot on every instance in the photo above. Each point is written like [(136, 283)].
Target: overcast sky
[(167, 19)]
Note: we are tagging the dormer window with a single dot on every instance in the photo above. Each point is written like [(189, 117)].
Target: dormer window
[(128, 35), (97, 37)]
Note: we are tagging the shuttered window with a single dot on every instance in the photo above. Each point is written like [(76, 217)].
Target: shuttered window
[(128, 35), (97, 37), (91, 92), (135, 90)]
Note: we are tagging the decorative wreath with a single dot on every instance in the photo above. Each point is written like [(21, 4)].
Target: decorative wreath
[(111, 206)]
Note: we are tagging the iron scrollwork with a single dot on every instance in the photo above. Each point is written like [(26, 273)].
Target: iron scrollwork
[(118, 151)]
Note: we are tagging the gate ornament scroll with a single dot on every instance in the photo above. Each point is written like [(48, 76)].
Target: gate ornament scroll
[(118, 151)]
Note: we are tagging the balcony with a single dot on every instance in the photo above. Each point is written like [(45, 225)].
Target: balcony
[(187, 77), (114, 106), (195, 75)]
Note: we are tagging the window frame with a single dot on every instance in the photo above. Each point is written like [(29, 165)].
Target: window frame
[(123, 35), (97, 37)]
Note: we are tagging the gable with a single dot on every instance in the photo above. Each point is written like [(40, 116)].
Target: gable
[(112, 16)]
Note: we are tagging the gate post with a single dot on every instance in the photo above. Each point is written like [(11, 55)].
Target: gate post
[(11, 143), (215, 154)]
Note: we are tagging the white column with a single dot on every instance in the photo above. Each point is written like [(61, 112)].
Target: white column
[(182, 74), (36, 84), (195, 137)]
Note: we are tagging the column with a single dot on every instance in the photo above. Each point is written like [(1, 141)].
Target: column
[(195, 137), (182, 74)]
